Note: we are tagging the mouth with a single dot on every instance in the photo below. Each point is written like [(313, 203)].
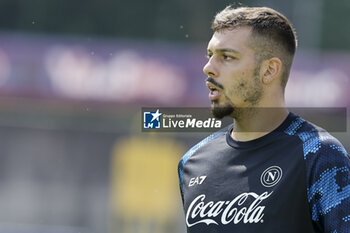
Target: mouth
[(214, 93)]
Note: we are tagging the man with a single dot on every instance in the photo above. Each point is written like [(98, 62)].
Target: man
[(271, 171)]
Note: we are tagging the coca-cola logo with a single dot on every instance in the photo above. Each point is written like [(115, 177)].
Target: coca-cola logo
[(231, 211)]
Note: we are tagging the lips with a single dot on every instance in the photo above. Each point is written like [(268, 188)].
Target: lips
[(214, 93)]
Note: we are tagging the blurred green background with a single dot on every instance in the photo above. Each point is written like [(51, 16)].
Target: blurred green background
[(320, 23), (73, 78)]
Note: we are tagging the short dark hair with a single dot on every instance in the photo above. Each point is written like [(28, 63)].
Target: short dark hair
[(272, 32)]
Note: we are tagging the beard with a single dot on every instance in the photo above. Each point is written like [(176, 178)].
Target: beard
[(252, 95), (220, 111)]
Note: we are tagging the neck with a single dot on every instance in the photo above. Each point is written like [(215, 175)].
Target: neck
[(253, 123)]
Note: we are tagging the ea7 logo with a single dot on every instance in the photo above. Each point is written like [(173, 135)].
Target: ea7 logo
[(271, 176), (196, 180)]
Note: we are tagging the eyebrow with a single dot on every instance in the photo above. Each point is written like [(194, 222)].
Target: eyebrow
[(224, 50)]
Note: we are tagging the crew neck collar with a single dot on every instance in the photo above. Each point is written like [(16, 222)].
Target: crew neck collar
[(261, 140)]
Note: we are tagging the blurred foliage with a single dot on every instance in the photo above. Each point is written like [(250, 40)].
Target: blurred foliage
[(174, 20)]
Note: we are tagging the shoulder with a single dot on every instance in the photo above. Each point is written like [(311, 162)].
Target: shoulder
[(327, 174), (316, 141), (200, 144), (192, 151)]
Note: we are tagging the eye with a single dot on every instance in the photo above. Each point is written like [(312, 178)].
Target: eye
[(227, 57), (209, 55)]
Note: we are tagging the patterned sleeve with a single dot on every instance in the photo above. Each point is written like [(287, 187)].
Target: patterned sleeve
[(328, 183)]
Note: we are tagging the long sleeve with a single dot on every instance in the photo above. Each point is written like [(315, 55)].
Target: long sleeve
[(328, 183)]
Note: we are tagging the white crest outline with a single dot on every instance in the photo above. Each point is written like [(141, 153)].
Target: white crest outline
[(265, 182)]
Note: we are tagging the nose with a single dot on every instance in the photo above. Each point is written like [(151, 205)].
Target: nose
[(210, 69)]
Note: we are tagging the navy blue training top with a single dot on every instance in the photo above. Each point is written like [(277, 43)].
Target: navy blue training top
[(296, 179)]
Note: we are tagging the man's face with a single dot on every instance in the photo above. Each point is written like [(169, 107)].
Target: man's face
[(233, 75)]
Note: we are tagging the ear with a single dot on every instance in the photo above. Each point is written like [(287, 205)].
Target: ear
[(271, 69)]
